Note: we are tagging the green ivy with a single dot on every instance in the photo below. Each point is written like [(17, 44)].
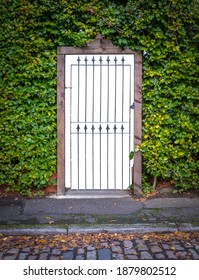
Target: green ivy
[(31, 31)]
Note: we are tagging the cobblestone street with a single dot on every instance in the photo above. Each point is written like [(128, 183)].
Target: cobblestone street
[(170, 246)]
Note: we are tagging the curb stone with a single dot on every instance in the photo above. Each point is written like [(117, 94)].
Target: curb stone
[(106, 228)]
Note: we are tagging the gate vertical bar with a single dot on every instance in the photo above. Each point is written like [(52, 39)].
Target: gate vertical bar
[(70, 126), (130, 125), (108, 60), (115, 112), (122, 127), (115, 59), (115, 152), (92, 128), (85, 118), (107, 128), (100, 127), (78, 127)]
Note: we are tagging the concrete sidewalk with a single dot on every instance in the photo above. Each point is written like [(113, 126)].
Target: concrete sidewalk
[(98, 212)]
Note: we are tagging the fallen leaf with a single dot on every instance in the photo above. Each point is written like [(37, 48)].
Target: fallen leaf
[(48, 217), (42, 241), (172, 248)]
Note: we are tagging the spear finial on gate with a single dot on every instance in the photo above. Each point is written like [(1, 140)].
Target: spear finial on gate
[(107, 128)]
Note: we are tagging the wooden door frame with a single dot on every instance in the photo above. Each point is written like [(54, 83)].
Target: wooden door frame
[(98, 46)]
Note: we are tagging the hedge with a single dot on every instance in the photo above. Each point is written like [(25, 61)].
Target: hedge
[(166, 32)]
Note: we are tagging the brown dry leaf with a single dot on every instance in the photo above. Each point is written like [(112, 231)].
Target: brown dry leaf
[(172, 248), (42, 241), (145, 237), (64, 248), (63, 241)]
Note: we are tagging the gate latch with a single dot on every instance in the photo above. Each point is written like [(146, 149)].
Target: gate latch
[(132, 106)]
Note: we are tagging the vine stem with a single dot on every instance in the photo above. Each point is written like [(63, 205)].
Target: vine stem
[(154, 182)]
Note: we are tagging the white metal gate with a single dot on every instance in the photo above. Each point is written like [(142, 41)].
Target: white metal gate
[(99, 94)]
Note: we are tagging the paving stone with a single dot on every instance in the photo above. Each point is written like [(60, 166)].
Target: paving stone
[(118, 256), (179, 247), (43, 256), (159, 257), (91, 255), (54, 257), (104, 254), (197, 247), (194, 254), (12, 257), (188, 245), (35, 251), (13, 251), (154, 243), (138, 241), (116, 249), (129, 251), (22, 256), (46, 250), (171, 255), (90, 248), (68, 255), (80, 251), (132, 257), (26, 250), (165, 246), (128, 244), (155, 249), (181, 255), (142, 247), (115, 243), (79, 257), (176, 242), (31, 257), (145, 256), (56, 251)]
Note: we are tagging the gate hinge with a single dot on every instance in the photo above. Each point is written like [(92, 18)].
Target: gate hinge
[(132, 106)]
